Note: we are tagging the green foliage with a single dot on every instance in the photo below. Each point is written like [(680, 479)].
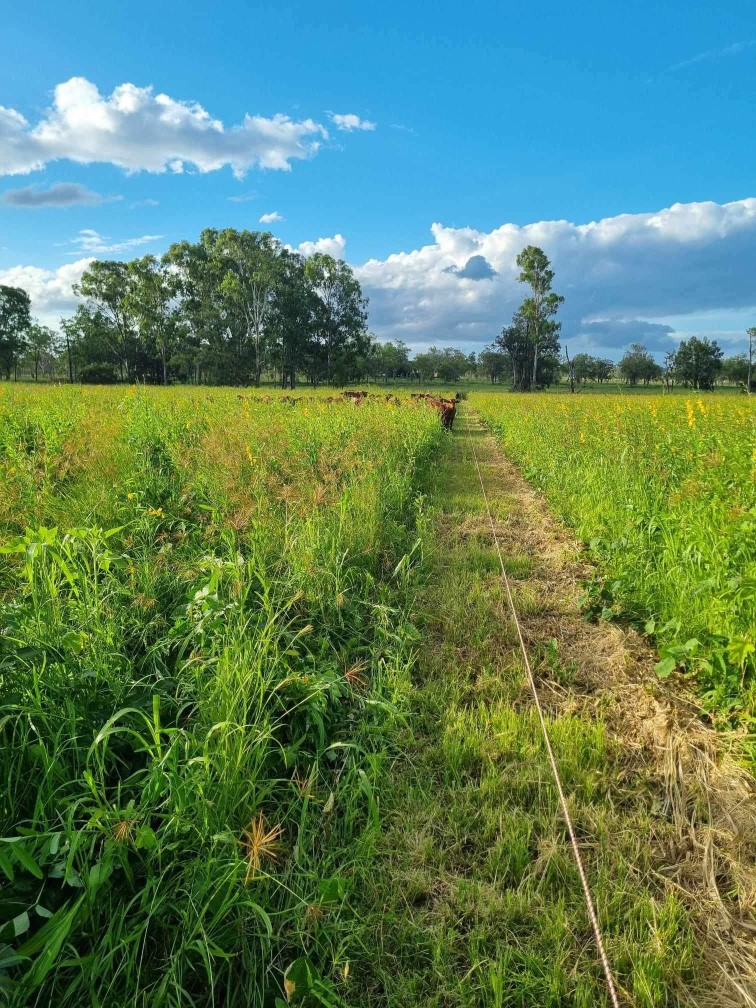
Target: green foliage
[(14, 321), (698, 361), (661, 491), (531, 342), (222, 310), (98, 374), (638, 365), (205, 643)]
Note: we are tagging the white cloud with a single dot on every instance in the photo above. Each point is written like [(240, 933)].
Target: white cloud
[(271, 218), (243, 197), (62, 194), (619, 276), (88, 240), (49, 290), (326, 246), (651, 277), (349, 122), (138, 130), (145, 202)]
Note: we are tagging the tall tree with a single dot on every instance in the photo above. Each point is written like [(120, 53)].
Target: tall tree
[(539, 309), (515, 341), (249, 282), (494, 364), (151, 302), (698, 361), (15, 318), (40, 344), (290, 320), (638, 365), (104, 286), (340, 313)]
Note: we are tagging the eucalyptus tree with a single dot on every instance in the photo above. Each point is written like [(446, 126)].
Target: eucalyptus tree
[(539, 309), (15, 318), (289, 324), (637, 364), (495, 364), (40, 347), (104, 287), (250, 274), (698, 361), (340, 313), (152, 304)]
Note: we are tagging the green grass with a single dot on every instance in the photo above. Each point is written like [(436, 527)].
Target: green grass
[(662, 493), (265, 735), (476, 899), (205, 645)]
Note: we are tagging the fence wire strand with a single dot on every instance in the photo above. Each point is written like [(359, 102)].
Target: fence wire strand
[(589, 902)]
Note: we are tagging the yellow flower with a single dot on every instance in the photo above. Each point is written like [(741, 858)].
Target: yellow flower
[(130, 496), (155, 512)]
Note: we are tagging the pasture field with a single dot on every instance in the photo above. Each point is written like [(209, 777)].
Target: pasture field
[(205, 641), (661, 490), (265, 737)]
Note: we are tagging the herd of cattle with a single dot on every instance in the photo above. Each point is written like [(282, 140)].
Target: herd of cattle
[(446, 408)]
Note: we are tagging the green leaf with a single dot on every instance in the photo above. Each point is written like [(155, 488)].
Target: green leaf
[(21, 924), (739, 649), (6, 865), (48, 942), (145, 838), (298, 980), (332, 890), (665, 667), (24, 858)]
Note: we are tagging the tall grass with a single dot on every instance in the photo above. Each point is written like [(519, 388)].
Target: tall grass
[(662, 492), (205, 639)]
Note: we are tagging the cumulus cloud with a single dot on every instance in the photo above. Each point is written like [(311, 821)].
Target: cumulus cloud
[(349, 122), (274, 217), (138, 130), (650, 278), (62, 194), (632, 268), (334, 247), (49, 290), (88, 240)]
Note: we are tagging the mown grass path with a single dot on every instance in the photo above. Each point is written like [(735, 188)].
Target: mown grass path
[(476, 899)]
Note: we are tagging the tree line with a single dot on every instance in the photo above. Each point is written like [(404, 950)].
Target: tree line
[(239, 307), (228, 309)]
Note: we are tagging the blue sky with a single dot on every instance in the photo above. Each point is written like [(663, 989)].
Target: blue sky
[(491, 115)]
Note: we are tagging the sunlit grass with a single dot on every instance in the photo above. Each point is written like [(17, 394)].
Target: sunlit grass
[(205, 642), (662, 492)]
